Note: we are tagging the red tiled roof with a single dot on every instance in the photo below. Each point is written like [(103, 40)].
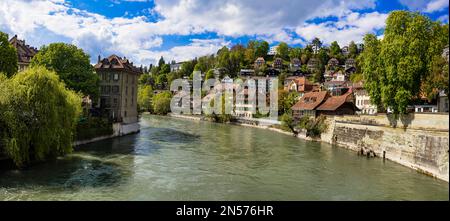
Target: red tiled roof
[(310, 101), (333, 103), (116, 62)]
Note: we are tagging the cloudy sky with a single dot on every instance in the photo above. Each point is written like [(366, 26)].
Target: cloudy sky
[(144, 30)]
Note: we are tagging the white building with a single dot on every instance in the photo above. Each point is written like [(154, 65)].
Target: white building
[(362, 101), (273, 51)]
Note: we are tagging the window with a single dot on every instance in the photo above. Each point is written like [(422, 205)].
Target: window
[(115, 89), (116, 77), (126, 90)]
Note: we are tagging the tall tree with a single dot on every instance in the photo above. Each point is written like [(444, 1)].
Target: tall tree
[(72, 65), (317, 45), (295, 53), (283, 51), (262, 48), (352, 50), (335, 50), (8, 55), (161, 62)]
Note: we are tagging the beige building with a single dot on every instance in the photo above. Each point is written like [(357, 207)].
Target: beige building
[(118, 88)]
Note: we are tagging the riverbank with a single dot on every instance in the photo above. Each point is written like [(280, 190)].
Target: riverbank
[(419, 142), (119, 129)]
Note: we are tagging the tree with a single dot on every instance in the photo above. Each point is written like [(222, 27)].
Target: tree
[(45, 125), (161, 62), (317, 45), (283, 51), (209, 74), (262, 48), (8, 55), (352, 50), (394, 68), (335, 50), (72, 65), (295, 53), (161, 103), (144, 99), (288, 121), (165, 69)]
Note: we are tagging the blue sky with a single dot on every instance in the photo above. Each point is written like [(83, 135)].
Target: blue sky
[(144, 30)]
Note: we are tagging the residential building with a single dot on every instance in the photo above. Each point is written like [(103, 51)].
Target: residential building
[(295, 65), (313, 64), (338, 105), (259, 62), (24, 52), (298, 84), (345, 50), (273, 51), (277, 63), (337, 88), (247, 72), (118, 88), (175, 67), (308, 104), (362, 100), (333, 63), (350, 63)]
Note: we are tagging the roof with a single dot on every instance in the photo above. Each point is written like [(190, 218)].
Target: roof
[(310, 101), (117, 63), (333, 103), (24, 51)]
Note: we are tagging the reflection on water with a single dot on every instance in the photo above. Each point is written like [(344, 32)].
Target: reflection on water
[(175, 159)]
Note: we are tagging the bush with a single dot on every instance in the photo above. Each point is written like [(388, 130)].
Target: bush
[(161, 103)]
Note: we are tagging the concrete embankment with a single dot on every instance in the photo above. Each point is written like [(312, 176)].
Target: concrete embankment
[(418, 141), (119, 129)]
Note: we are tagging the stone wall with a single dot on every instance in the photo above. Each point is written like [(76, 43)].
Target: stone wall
[(419, 141), (119, 129)]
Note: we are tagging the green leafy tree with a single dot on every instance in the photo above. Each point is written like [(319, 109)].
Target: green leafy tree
[(283, 51), (45, 125), (8, 55), (165, 69), (161, 62), (72, 65), (209, 74), (161, 103), (317, 45), (262, 48), (144, 99), (335, 50), (352, 50), (401, 60), (295, 53), (288, 121)]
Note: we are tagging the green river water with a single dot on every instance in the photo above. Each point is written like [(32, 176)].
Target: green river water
[(175, 159)]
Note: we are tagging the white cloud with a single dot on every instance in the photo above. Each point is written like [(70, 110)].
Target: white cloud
[(428, 6), (350, 27)]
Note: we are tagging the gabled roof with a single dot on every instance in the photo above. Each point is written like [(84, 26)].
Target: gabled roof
[(310, 101), (333, 103), (117, 63), (24, 51)]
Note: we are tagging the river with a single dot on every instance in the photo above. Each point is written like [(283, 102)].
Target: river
[(176, 159)]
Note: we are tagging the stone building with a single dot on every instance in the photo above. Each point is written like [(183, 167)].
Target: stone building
[(24, 52), (118, 88)]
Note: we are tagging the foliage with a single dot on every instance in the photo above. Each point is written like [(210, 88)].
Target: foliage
[(352, 50), (283, 51), (144, 98), (8, 55), (161, 103), (355, 78), (395, 67), (44, 127), (72, 65), (93, 127), (209, 74), (288, 121), (335, 50), (295, 53)]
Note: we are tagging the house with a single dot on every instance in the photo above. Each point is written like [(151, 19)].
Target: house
[(175, 67), (333, 63), (350, 63), (338, 105), (362, 100), (295, 65), (278, 64), (118, 88), (336, 88), (273, 51), (308, 104), (313, 64), (247, 72), (298, 84), (24, 52), (259, 62), (345, 50)]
